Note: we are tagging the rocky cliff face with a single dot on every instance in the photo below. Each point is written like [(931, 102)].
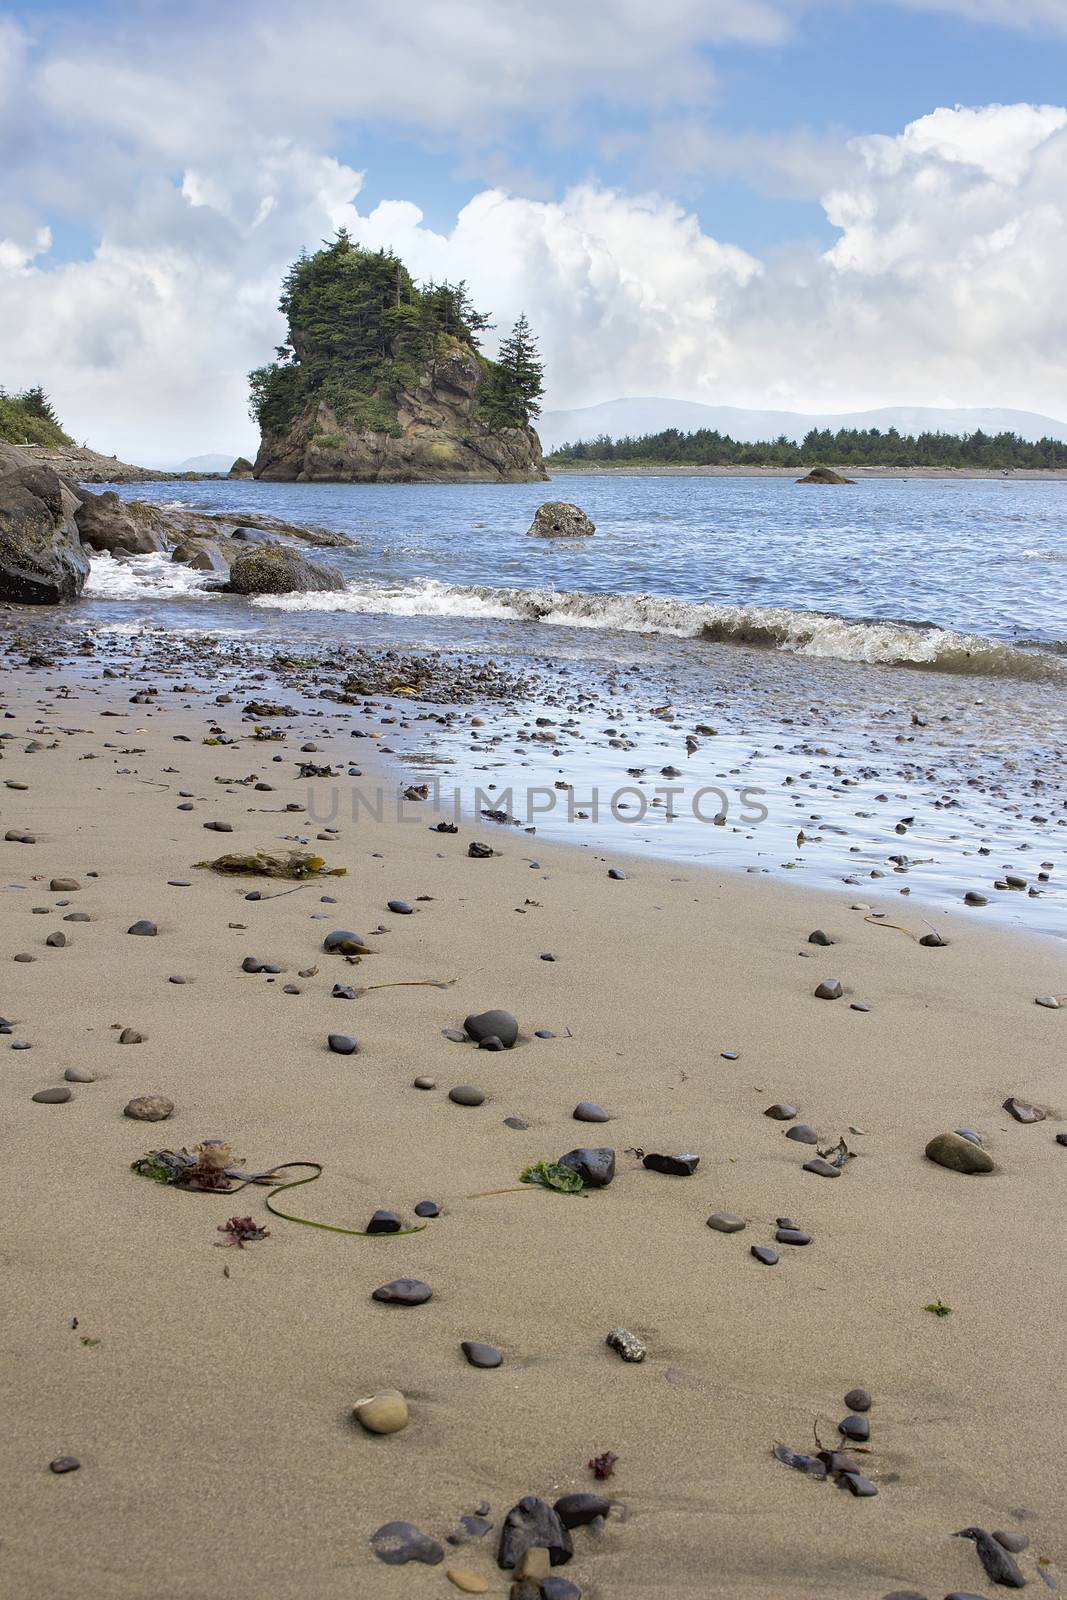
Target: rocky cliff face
[(41, 558), (438, 439)]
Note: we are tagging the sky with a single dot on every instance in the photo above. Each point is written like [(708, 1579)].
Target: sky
[(815, 205)]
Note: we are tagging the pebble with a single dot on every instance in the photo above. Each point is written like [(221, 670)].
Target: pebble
[(481, 1355), (856, 1428), (218, 827), (148, 1108), (342, 1044), (21, 1044), (726, 1222), (343, 942), (404, 1292), (1015, 1542), (858, 1400), (143, 928), (424, 1083), (384, 1222), (77, 916), (958, 1154), (57, 940), (860, 1486), (803, 1133), (343, 991), (520, 1124), (589, 1111), (79, 1075), (578, 1510), (781, 1112), (1048, 1000), (559, 1589), (466, 1094), (400, 907), (131, 1036), (532, 1524), (63, 1464), (819, 937), (822, 1169), (674, 1166), (396, 1543), (829, 989), (52, 1097), (386, 1412), (251, 964), (499, 1025), (427, 1208), (24, 955), (859, 1005), (792, 1236), (456, 1035), (491, 1042), (64, 885), (543, 1033), (595, 1167), (1022, 1112), (466, 1581), (973, 898), (765, 1253), (617, 873), (626, 1344)]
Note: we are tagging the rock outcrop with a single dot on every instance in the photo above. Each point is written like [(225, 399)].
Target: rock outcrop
[(824, 475), (41, 558), (126, 527), (242, 468), (438, 438), (558, 519), (274, 569)]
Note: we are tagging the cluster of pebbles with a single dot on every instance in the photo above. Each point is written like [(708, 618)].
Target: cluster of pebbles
[(534, 1536)]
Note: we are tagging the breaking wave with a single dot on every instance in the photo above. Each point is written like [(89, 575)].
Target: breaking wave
[(802, 633), (151, 577)]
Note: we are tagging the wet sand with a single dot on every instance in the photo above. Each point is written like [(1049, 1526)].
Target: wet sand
[(212, 1417)]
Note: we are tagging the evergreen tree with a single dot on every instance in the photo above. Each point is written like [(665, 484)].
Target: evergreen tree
[(521, 369)]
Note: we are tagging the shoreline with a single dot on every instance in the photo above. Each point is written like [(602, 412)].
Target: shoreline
[(209, 1392), (591, 470)]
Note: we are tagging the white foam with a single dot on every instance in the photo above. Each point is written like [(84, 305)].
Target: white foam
[(1045, 555), (151, 577), (804, 633)]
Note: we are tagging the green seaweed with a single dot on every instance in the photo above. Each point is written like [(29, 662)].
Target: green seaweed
[(939, 1308), (550, 1175)]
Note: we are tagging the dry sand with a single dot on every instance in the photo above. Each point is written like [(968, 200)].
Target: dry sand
[(212, 1418)]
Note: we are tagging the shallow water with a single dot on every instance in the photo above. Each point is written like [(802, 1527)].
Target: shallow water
[(887, 661)]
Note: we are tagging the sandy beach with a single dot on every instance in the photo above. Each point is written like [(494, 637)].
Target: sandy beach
[(207, 1393)]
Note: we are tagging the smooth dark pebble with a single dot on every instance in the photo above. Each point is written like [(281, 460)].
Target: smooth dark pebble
[(730, 1055), (765, 1253), (579, 1509), (64, 1464), (400, 907), (803, 1133), (465, 1094), (403, 1292), (829, 989), (343, 1044), (859, 1005), (856, 1428), (617, 873), (427, 1208), (792, 1236), (143, 928), (481, 1355), (781, 1112), (819, 937), (499, 1025), (384, 1222), (543, 1033), (424, 1083), (52, 1097), (726, 1222), (456, 1035), (589, 1111), (520, 1124), (821, 1168), (858, 1400), (675, 1166), (860, 1486), (343, 991), (398, 1542)]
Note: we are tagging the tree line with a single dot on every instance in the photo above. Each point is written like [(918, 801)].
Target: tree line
[(848, 447), (28, 417)]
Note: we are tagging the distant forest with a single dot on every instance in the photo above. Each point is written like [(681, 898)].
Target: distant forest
[(849, 447)]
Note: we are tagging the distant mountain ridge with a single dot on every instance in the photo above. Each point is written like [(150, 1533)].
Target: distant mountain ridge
[(634, 417)]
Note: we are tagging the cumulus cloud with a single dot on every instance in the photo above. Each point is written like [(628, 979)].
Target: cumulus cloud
[(942, 287)]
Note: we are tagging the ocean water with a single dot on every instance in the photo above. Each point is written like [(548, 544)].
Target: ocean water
[(887, 662)]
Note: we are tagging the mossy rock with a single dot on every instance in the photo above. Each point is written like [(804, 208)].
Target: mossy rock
[(824, 475), (272, 569)]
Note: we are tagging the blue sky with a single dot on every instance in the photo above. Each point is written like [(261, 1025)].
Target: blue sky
[(702, 198)]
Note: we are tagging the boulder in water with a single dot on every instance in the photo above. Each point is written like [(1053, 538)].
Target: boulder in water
[(824, 475), (273, 569), (558, 519), (41, 558)]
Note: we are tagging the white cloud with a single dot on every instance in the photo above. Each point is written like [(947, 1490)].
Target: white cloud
[(943, 286), (1048, 16)]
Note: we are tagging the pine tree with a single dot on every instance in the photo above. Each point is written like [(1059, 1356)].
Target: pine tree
[(522, 370)]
